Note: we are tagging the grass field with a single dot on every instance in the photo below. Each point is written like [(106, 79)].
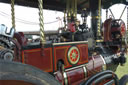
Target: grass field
[(122, 70)]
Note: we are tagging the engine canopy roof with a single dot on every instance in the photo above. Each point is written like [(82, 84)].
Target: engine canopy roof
[(60, 5)]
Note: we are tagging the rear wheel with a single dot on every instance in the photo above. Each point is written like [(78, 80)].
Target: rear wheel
[(12, 73), (124, 80)]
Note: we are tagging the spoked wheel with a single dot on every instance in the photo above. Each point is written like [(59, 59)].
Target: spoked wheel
[(124, 80), (12, 73)]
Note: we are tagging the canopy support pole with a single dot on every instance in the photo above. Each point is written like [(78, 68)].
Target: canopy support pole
[(13, 13), (106, 13), (71, 9), (42, 36), (127, 19), (99, 20), (95, 9)]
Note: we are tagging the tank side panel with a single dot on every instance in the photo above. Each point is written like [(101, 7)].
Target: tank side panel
[(35, 58)]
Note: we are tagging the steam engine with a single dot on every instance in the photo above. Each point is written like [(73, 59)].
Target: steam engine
[(74, 55), (80, 61), (77, 55)]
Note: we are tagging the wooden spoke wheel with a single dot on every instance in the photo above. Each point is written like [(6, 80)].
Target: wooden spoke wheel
[(12, 73)]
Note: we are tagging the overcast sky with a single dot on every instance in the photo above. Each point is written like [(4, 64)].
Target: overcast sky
[(27, 18)]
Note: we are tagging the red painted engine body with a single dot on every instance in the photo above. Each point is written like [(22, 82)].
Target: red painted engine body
[(112, 26), (78, 65), (48, 58), (75, 75)]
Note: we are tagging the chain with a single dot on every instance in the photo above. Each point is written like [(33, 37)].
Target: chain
[(13, 13), (42, 36)]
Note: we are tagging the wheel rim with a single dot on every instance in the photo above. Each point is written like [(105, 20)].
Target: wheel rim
[(14, 82)]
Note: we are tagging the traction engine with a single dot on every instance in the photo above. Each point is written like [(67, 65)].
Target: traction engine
[(79, 55)]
